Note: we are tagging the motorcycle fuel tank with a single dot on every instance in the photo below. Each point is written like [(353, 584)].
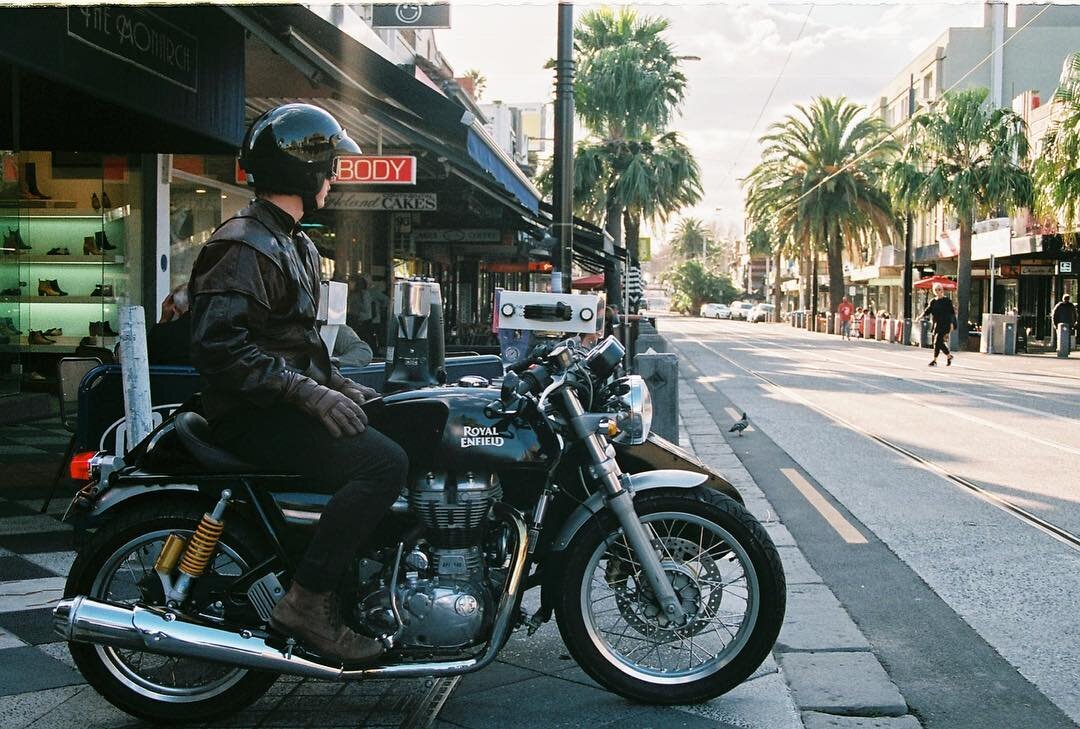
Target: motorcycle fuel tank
[(447, 428)]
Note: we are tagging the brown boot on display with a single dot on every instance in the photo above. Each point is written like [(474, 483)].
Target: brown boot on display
[(39, 338), (94, 202), (314, 619), (89, 246), (45, 288)]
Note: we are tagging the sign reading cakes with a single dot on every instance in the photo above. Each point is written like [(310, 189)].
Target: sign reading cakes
[(139, 37)]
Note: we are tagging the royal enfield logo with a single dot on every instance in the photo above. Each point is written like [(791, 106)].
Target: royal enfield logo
[(477, 436)]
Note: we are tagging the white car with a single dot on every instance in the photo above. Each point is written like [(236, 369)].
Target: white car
[(713, 310), (761, 312), (741, 309)]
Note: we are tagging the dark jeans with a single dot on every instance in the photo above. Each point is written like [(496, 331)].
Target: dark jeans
[(941, 343), (367, 470)]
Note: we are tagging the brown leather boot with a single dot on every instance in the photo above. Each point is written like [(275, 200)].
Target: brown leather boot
[(314, 619)]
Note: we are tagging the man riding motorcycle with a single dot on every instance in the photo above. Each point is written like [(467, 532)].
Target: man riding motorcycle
[(271, 394)]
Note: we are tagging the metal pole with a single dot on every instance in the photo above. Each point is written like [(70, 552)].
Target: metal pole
[(563, 183), (135, 374), (908, 236), (990, 334)]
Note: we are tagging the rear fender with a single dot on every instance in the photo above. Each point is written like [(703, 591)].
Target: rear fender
[(120, 496)]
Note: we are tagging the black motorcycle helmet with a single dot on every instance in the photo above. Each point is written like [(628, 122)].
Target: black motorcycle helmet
[(292, 149)]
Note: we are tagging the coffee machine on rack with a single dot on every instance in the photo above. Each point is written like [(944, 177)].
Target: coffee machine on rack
[(416, 350)]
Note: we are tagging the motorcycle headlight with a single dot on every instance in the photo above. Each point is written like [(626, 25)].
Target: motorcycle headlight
[(633, 405)]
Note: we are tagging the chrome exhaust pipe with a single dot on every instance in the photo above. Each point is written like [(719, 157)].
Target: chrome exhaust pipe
[(85, 620)]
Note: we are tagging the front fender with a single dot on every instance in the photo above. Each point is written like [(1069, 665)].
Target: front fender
[(657, 454), (668, 478)]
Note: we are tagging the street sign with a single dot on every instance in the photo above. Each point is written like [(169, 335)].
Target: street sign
[(411, 15), (644, 249), (1065, 267), (457, 235), (376, 170)]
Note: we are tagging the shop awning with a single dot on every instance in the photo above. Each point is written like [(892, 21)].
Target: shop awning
[(388, 98), (589, 283)]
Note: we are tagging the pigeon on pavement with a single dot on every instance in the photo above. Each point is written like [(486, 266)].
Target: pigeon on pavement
[(740, 426)]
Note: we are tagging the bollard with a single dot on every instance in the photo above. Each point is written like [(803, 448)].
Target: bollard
[(1010, 338), (1064, 338), (135, 373), (879, 331), (954, 341), (645, 342), (905, 333), (924, 333), (831, 324), (661, 374), (891, 332)]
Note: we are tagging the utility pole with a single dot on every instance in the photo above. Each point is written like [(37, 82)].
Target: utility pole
[(908, 235), (563, 183)]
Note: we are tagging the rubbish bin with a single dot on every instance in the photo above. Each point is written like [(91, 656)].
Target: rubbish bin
[(992, 338)]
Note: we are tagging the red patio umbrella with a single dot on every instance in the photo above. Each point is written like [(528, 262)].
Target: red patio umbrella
[(589, 283), (928, 283)]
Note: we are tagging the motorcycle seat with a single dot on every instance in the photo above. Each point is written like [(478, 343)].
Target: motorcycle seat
[(197, 439)]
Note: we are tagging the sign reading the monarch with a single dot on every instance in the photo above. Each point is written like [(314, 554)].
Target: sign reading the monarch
[(411, 15), (139, 37)]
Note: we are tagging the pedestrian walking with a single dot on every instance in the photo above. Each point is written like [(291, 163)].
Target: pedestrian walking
[(359, 313), (1064, 313), (943, 318), (845, 310)]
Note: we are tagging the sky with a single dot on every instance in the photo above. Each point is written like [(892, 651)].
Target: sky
[(853, 48)]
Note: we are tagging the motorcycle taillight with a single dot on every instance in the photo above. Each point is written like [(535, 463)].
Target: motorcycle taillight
[(79, 468)]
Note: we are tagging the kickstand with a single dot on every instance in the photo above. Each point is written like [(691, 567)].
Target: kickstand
[(540, 617)]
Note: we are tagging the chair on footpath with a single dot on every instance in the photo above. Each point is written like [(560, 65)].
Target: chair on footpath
[(70, 372)]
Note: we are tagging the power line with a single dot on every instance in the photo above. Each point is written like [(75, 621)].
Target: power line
[(892, 132), (772, 91)]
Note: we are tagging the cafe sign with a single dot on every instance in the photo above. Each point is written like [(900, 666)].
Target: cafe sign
[(139, 37), (458, 235), (376, 170), (383, 201)]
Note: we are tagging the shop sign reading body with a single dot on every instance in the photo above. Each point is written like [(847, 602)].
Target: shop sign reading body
[(138, 37), (376, 170), (378, 201)]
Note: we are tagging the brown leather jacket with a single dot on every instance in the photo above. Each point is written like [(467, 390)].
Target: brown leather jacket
[(254, 300)]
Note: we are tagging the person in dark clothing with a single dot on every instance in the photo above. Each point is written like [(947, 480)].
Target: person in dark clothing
[(169, 341), (943, 318), (271, 394), (1064, 313)]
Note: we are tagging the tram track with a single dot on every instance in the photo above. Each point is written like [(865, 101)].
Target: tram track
[(1007, 506)]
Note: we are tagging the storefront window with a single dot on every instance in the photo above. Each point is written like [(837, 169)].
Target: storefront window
[(197, 206), (72, 227)]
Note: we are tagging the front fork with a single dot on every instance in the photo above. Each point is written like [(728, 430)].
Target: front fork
[(619, 498)]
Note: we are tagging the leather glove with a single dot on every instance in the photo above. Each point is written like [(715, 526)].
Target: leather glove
[(338, 413), (356, 392)]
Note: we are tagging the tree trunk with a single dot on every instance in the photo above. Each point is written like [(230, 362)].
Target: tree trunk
[(612, 282), (804, 279), (963, 279), (776, 279), (835, 253), (632, 234)]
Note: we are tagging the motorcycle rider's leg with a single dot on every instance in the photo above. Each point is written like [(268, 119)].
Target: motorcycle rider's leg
[(370, 469)]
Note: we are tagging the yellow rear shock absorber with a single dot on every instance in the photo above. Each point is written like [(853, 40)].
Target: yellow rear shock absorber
[(201, 547)]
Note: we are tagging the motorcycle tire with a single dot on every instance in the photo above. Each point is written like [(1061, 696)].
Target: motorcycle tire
[(599, 660), (105, 672)]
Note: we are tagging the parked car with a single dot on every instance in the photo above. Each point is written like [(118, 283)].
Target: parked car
[(713, 310), (761, 312), (741, 309)]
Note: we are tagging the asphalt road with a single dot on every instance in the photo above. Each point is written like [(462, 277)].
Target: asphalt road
[(897, 448)]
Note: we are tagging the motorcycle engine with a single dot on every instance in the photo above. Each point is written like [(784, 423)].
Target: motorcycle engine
[(445, 599)]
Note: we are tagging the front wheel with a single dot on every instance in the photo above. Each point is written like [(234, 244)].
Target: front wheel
[(724, 569)]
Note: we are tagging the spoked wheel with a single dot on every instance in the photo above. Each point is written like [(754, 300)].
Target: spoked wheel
[(117, 567), (726, 574)]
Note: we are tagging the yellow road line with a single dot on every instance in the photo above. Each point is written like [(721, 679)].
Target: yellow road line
[(842, 526)]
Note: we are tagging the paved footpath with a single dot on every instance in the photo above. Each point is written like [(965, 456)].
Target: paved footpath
[(822, 673)]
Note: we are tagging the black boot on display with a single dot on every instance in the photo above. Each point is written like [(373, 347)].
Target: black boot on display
[(94, 202), (31, 182), (102, 241), (56, 287), (105, 201)]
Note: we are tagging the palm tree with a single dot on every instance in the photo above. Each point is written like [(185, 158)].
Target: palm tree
[(969, 157), (691, 239), (627, 87), (821, 175), (772, 190), (1057, 171), (479, 82)]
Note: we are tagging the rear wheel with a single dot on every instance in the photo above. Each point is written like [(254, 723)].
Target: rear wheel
[(727, 575), (117, 566)]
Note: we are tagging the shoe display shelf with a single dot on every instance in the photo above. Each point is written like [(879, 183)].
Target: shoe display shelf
[(44, 225)]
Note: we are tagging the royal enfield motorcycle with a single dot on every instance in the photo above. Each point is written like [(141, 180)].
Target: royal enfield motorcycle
[(666, 590)]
